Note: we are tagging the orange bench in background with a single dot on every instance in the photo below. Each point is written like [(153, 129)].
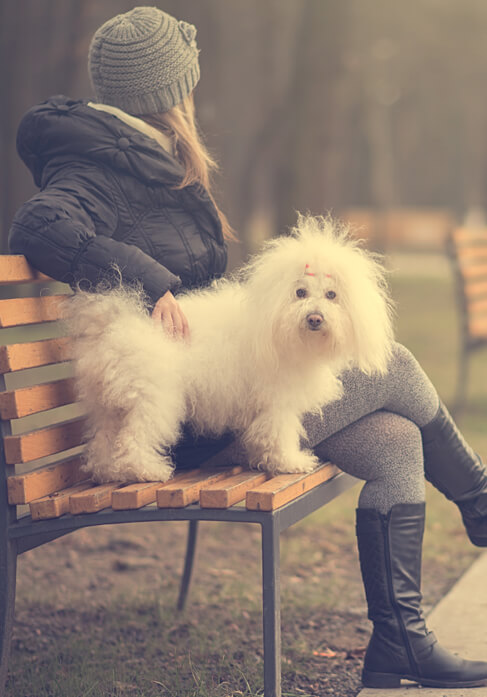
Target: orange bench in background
[(468, 252)]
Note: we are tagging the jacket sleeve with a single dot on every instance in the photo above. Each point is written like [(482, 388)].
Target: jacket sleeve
[(66, 232)]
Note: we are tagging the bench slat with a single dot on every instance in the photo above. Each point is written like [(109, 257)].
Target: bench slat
[(477, 306), (31, 400), (24, 488), (475, 288), (478, 328), (95, 499), (464, 235), (21, 311), (56, 504), (178, 494), (226, 493), (47, 441), (141, 494), (473, 271), (282, 488), (14, 268), (34, 354), (467, 255), (135, 496)]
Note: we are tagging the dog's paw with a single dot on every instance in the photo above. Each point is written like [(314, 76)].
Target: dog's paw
[(303, 461), (148, 467), (155, 472)]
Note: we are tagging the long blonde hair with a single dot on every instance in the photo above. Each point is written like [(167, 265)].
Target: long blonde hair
[(179, 123)]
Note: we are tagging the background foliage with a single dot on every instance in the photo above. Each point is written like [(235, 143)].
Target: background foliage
[(307, 104)]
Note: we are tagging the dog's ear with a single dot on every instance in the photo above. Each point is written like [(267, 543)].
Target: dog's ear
[(370, 312)]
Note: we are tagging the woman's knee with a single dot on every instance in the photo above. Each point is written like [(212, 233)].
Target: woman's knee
[(402, 356), (382, 441), (385, 450), (410, 391), (393, 437)]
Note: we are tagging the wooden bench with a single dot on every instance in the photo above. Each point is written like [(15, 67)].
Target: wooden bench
[(45, 493), (468, 252), (420, 228)]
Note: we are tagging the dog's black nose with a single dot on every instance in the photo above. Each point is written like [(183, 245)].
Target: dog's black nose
[(315, 320)]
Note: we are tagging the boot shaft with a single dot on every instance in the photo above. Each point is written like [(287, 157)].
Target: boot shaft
[(450, 464), (390, 561), (401, 646), (390, 552)]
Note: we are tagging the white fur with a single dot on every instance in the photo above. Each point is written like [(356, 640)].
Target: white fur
[(252, 365)]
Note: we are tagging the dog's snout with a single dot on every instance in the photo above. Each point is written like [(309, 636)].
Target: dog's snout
[(315, 320)]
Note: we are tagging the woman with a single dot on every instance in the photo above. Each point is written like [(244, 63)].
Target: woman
[(125, 183)]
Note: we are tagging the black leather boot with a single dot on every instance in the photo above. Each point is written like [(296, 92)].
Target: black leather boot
[(401, 646), (451, 466)]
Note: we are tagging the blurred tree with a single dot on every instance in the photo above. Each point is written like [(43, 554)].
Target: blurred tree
[(40, 55), (308, 104)]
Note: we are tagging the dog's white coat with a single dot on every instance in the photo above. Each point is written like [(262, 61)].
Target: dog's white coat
[(253, 364)]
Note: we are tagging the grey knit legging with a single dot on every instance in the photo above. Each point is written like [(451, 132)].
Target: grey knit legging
[(373, 431)]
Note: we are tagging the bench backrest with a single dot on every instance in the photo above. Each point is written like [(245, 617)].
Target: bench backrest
[(468, 247), (41, 423)]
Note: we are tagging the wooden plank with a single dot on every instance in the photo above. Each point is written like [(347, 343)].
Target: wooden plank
[(24, 488), (140, 494), (478, 328), (21, 311), (468, 255), (474, 271), (30, 446), (34, 354), (226, 493), (14, 268), (178, 494), (36, 398), (465, 235), (474, 289), (94, 499), (282, 488), (135, 495), (477, 306), (56, 504)]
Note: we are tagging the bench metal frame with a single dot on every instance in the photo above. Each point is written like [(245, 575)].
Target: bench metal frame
[(19, 535)]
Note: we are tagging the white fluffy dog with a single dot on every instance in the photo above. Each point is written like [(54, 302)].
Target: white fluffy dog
[(265, 348)]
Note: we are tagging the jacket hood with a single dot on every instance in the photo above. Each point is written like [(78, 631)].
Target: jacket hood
[(61, 129)]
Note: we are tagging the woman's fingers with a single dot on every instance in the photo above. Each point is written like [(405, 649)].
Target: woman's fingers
[(168, 312)]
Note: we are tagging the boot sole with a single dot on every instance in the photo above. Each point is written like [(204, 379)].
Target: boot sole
[(391, 680)]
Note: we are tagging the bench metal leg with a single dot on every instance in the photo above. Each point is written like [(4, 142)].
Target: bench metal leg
[(8, 572), (188, 564), (271, 598)]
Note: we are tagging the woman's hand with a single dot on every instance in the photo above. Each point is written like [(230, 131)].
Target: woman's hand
[(168, 312)]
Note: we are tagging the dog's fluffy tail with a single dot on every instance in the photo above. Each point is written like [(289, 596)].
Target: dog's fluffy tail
[(127, 374)]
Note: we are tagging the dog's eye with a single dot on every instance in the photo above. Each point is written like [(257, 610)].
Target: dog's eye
[(301, 292), (330, 294)]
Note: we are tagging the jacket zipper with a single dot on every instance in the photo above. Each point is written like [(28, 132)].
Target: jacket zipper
[(395, 607)]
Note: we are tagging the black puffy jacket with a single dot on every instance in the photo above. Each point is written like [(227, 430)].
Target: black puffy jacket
[(106, 197)]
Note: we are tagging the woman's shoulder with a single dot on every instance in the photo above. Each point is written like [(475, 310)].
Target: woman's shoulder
[(65, 128), (51, 129), (42, 115)]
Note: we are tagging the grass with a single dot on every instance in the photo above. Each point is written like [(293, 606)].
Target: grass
[(87, 627), (100, 664)]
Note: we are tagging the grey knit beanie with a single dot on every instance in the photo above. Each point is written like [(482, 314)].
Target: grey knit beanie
[(144, 61)]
